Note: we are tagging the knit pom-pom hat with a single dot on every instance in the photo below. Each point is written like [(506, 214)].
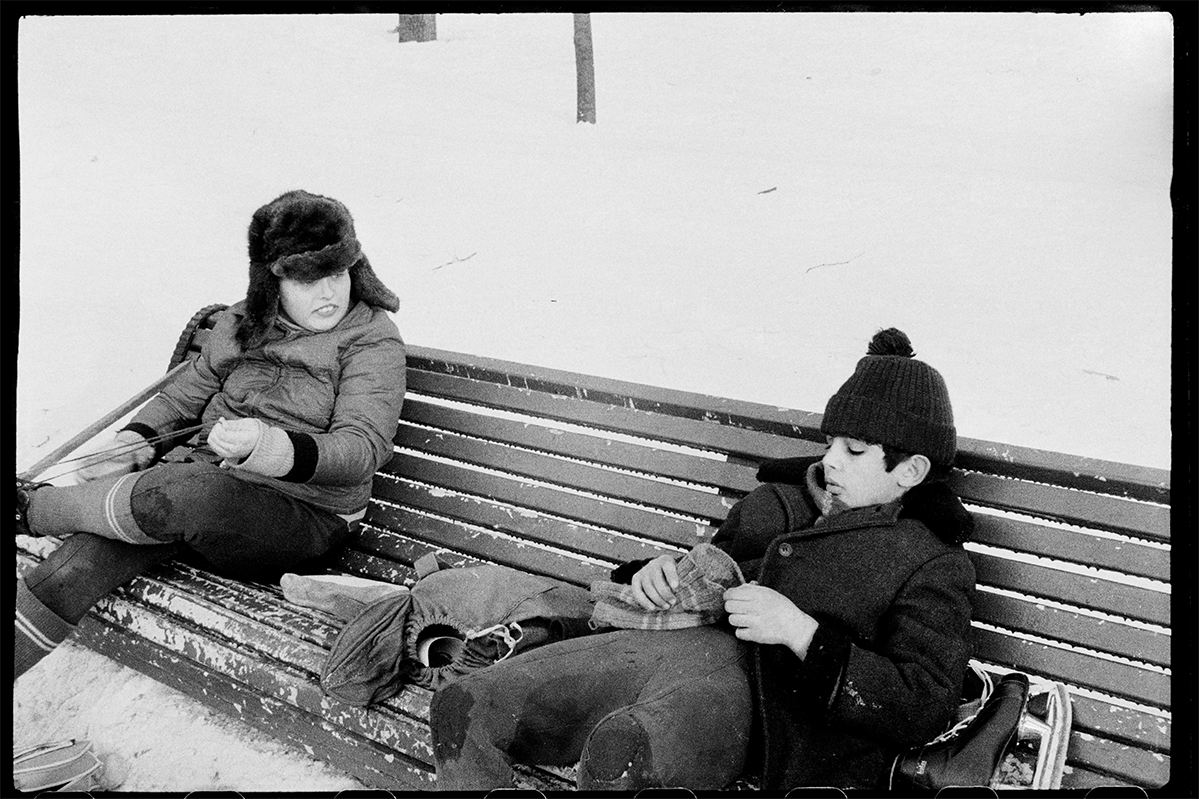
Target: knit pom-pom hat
[(895, 400), (304, 237)]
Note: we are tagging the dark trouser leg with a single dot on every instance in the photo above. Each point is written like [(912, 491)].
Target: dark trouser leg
[(55, 595), (243, 529), (686, 691), (689, 728)]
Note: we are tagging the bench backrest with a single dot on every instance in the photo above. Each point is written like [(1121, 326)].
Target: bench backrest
[(567, 475)]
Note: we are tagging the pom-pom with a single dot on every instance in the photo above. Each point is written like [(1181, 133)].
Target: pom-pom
[(890, 342)]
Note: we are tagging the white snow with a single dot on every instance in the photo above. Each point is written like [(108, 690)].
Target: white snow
[(761, 193)]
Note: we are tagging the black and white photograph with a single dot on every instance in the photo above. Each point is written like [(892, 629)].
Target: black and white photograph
[(721, 401)]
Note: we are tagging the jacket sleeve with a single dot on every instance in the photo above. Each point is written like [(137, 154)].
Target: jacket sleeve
[(366, 413), (182, 402), (902, 688)]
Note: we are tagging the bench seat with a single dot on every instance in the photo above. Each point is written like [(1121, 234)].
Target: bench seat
[(566, 475)]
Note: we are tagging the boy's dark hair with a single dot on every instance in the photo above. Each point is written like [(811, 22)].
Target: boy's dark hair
[(892, 457)]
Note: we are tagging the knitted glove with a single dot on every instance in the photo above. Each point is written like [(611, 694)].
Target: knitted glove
[(125, 452), (253, 445)]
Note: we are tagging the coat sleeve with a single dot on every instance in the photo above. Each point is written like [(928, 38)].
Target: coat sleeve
[(903, 687), (366, 413)]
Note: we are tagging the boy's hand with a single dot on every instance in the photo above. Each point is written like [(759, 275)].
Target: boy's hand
[(765, 616), (654, 583), (235, 439)]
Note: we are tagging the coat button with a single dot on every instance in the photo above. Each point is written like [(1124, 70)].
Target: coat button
[(785, 550)]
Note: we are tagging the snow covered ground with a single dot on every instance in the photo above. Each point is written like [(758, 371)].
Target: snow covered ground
[(760, 194)]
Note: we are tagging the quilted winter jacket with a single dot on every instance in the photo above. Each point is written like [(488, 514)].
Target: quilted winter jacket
[(337, 394), (891, 588)]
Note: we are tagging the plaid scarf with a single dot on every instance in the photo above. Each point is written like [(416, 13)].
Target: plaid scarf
[(704, 574)]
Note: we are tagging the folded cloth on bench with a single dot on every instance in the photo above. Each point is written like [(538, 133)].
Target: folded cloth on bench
[(494, 610), (341, 595), (705, 573)]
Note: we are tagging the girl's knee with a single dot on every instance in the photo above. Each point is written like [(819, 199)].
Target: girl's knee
[(167, 498)]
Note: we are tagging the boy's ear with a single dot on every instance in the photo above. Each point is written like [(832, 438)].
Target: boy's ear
[(912, 470)]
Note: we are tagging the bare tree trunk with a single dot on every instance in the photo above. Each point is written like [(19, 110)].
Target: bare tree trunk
[(417, 27), (584, 68)]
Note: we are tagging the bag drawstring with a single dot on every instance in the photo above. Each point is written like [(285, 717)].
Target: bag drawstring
[(509, 634), (988, 688)]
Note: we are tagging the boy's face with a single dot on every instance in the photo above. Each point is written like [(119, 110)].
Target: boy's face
[(856, 473)]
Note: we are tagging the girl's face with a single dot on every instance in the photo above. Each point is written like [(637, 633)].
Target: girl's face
[(316, 306), (856, 473)]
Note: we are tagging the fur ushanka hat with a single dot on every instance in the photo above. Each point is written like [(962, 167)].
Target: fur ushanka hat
[(304, 237)]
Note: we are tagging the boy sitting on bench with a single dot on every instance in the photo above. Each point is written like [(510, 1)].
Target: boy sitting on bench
[(848, 644)]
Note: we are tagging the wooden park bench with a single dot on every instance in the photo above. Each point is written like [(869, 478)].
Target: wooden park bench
[(566, 475)]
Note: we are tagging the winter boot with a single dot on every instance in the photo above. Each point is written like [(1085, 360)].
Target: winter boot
[(25, 489)]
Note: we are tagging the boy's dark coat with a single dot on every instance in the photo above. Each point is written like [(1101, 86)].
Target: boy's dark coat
[(891, 589)]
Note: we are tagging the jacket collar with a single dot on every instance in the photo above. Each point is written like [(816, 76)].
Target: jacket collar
[(933, 504)]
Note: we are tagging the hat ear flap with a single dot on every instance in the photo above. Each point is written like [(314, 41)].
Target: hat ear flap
[(257, 234), (370, 289), (262, 307)]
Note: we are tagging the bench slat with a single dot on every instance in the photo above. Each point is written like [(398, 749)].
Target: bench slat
[(482, 544), (632, 521), (1096, 511), (1075, 668), (746, 445), (1127, 601), (731, 478), (1143, 483), (1104, 719), (1082, 547), (1072, 628), (521, 523), (1119, 760), (1080, 780), (372, 567), (624, 487)]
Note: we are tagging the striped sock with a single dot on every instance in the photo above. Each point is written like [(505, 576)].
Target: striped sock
[(37, 630), (101, 507)]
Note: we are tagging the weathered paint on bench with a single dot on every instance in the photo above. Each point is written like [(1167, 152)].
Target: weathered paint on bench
[(566, 475)]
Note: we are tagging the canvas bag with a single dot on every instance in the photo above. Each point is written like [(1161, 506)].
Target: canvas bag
[(490, 611)]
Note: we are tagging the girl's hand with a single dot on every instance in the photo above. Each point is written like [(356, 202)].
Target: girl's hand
[(125, 452), (765, 616), (654, 583), (235, 439)]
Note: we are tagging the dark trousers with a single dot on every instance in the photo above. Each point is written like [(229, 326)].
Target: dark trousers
[(241, 529), (636, 709)]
